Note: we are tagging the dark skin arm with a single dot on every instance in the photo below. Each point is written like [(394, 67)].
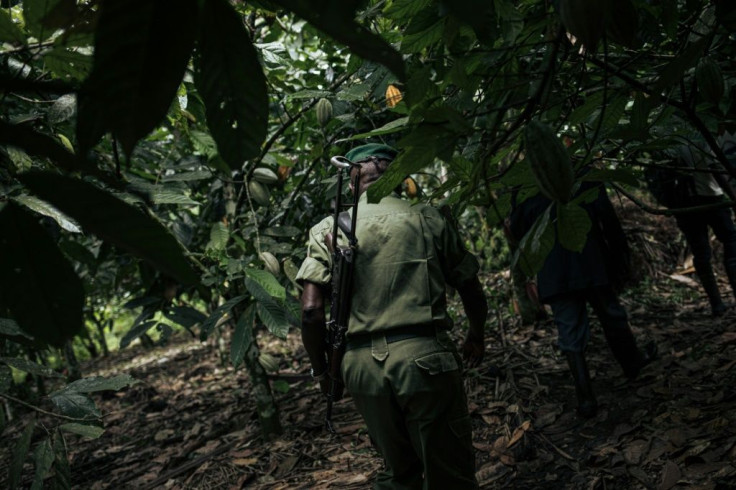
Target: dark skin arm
[(476, 308), (313, 329)]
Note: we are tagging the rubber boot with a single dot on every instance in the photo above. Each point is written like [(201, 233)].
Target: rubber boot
[(625, 351), (708, 281), (587, 405)]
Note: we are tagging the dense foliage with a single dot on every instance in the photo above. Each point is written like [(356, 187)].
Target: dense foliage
[(160, 155)]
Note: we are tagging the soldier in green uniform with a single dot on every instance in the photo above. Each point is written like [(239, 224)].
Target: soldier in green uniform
[(400, 366)]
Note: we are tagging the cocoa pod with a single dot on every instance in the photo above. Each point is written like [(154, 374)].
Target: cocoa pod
[(265, 175), (259, 193), (271, 262), (283, 172), (410, 187), (549, 161), (710, 80), (269, 363), (393, 96), (324, 111), (584, 20)]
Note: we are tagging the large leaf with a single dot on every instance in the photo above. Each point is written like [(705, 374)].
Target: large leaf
[(89, 431), (573, 225), (337, 19), (536, 244), (9, 31), (242, 336), (142, 48), (230, 79), (76, 405), (268, 282), (114, 220), (34, 12), (99, 383), (19, 455), (29, 367), (44, 459), (46, 209), (271, 312), (37, 283), (217, 315), (140, 327)]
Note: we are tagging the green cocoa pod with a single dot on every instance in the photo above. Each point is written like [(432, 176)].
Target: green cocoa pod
[(710, 80), (549, 161), (269, 363), (324, 111), (271, 262), (584, 20), (265, 175), (259, 193)]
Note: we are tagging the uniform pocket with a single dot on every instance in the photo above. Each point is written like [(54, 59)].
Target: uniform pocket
[(438, 362)]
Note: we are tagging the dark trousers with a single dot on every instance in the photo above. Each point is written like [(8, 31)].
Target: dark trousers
[(570, 311), (695, 228)]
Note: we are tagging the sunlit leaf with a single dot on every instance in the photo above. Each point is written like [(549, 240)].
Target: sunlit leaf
[(99, 383), (267, 281), (30, 367), (113, 220), (219, 236), (217, 315), (46, 209), (9, 30)]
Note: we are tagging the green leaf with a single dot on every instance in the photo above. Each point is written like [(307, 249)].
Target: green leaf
[(88, 431), (592, 103), (19, 456), (217, 315), (30, 367), (573, 225), (115, 221), (9, 328), (281, 386), (422, 146), (673, 72), (536, 244), (142, 48), (230, 80), (62, 471), (9, 31), (68, 64), (186, 316), (76, 405), (242, 336), (401, 10), (37, 283), (388, 128), (613, 113), (623, 175), (219, 236), (34, 12), (99, 383), (271, 312), (44, 458), (138, 329), (309, 94), (188, 176), (44, 208), (6, 381), (282, 231), (337, 19), (267, 281)]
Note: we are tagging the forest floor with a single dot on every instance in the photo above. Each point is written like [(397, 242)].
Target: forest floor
[(190, 422)]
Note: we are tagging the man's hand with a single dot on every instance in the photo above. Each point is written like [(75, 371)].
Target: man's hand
[(473, 349)]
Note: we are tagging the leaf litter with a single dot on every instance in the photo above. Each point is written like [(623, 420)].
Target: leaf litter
[(191, 422)]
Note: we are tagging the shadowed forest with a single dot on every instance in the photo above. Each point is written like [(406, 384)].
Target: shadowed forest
[(161, 164)]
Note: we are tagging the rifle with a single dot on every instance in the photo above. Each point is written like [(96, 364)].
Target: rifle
[(343, 264)]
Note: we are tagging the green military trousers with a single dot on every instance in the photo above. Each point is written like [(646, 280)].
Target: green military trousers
[(411, 396)]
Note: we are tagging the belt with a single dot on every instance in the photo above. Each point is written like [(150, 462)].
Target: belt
[(393, 335)]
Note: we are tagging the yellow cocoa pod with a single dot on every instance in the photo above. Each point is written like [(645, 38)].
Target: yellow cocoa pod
[(269, 363), (410, 187), (271, 263), (584, 20), (393, 96), (265, 175), (710, 80), (549, 161), (324, 111), (259, 193)]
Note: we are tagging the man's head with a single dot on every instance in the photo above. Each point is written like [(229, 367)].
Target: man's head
[(374, 159)]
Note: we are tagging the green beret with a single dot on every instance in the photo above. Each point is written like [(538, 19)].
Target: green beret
[(364, 152)]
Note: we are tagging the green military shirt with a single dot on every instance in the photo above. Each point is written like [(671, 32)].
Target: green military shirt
[(406, 253)]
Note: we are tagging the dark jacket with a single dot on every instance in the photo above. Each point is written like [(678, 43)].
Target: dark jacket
[(604, 260)]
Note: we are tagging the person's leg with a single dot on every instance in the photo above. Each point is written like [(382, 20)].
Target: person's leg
[(721, 220), (573, 332), (425, 376), (366, 380), (615, 323), (694, 227)]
